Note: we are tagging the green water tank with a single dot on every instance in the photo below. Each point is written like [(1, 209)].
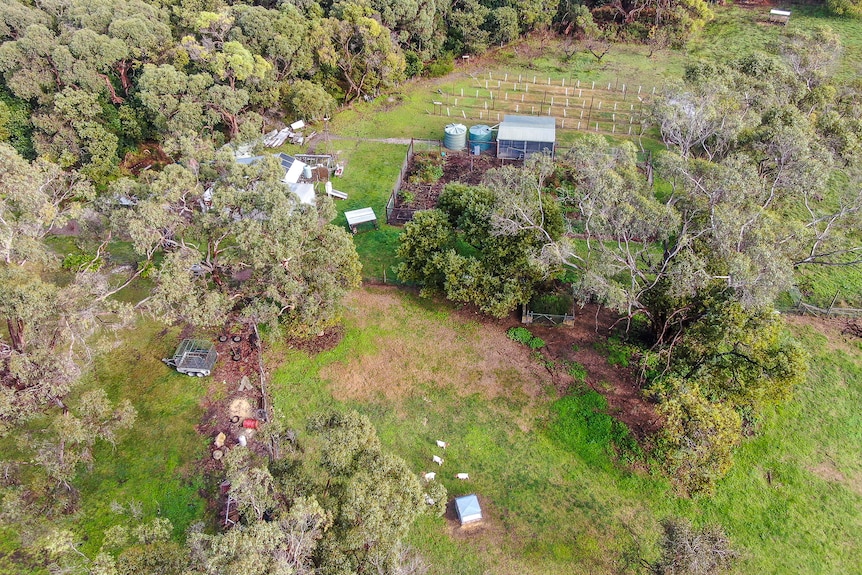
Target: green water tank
[(481, 136)]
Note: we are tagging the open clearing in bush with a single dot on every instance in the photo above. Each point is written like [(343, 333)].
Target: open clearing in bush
[(558, 504)]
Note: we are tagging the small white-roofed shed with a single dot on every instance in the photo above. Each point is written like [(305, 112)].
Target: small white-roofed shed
[(292, 168), (468, 509), (779, 16), (521, 136)]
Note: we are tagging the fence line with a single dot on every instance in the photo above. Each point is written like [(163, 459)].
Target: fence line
[(612, 108), (390, 205), (402, 215), (805, 308)]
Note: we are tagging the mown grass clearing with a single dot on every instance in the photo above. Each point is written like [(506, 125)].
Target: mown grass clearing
[(154, 463), (369, 174), (556, 501)]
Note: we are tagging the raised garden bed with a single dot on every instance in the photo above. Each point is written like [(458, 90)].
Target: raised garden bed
[(429, 172)]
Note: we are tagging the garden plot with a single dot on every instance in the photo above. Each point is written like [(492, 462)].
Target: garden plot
[(429, 172), (606, 107)]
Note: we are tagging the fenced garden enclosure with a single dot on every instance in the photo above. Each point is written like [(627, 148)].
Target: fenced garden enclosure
[(401, 215), (424, 172), (588, 106)]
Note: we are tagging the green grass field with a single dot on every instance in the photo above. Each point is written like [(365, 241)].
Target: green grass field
[(162, 444), (557, 502)]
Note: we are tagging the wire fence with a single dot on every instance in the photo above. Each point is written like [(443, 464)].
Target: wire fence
[(612, 107), (802, 307), (396, 216)]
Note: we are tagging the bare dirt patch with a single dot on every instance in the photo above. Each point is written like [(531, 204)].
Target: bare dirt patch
[(412, 352), (827, 471), (841, 333), (619, 385), (471, 353), (225, 405), (318, 343)]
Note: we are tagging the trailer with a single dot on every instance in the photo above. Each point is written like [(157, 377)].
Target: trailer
[(193, 357)]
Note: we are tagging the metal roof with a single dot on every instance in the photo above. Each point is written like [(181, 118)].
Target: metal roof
[(304, 191), (248, 160), (292, 167), (528, 128), (468, 508)]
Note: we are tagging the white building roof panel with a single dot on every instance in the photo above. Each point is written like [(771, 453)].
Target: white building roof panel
[(528, 128)]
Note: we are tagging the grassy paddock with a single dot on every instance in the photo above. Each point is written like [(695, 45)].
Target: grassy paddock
[(371, 169), (155, 462), (555, 499)]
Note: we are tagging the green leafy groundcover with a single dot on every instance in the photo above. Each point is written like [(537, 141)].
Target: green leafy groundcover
[(580, 424)]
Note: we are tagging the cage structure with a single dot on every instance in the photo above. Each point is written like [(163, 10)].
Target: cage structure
[(519, 137), (193, 357)]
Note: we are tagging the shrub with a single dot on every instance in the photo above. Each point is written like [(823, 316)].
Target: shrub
[(520, 334), (428, 168), (695, 445), (81, 262), (617, 352), (523, 335), (441, 67), (407, 197), (430, 173), (689, 551), (413, 63)]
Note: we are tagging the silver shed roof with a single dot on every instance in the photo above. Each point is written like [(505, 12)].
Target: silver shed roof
[(528, 128), (468, 509)]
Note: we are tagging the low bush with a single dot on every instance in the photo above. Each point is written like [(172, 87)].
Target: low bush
[(577, 371), (441, 67), (519, 334), (523, 335), (617, 352), (81, 262)]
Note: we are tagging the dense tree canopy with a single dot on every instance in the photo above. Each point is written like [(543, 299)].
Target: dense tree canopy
[(456, 250)]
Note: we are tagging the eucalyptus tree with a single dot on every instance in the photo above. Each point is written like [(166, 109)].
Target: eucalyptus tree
[(362, 51), (244, 244), (50, 315), (282, 37), (417, 24), (376, 497), (466, 26), (285, 544), (236, 71)]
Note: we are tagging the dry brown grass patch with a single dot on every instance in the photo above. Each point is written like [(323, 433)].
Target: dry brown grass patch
[(419, 348)]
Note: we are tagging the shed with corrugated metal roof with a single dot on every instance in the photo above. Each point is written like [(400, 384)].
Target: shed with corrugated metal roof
[(521, 136)]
